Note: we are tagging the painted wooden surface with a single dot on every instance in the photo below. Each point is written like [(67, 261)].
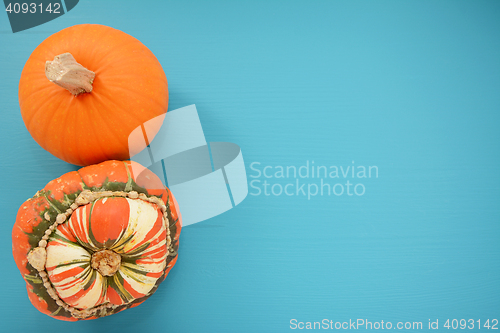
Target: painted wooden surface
[(409, 87)]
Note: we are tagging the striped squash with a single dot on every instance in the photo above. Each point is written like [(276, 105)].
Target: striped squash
[(96, 241)]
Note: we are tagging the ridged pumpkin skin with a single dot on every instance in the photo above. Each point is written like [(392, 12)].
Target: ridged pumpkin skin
[(102, 223), (130, 88)]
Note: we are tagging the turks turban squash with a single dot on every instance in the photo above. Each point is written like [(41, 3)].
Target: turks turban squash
[(84, 89), (96, 241)]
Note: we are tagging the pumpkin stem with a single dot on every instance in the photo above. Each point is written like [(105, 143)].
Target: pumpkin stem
[(106, 262), (67, 73)]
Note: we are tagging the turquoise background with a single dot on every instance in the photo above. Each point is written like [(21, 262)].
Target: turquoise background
[(412, 87)]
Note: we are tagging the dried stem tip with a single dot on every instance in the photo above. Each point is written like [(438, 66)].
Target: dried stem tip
[(106, 262), (67, 73)]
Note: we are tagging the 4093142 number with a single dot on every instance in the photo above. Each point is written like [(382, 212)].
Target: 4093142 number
[(471, 324), (26, 8)]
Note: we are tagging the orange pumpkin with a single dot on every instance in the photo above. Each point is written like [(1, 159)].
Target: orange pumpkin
[(85, 119), (96, 241)]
